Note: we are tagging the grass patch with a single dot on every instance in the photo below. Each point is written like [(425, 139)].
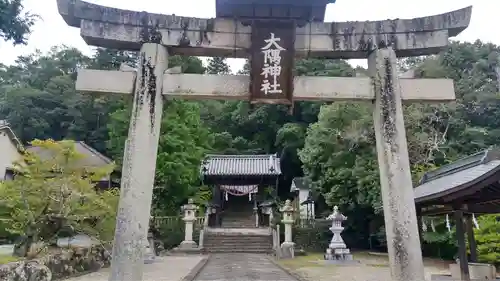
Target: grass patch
[(7, 259), (377, 265), (302, 261), (310, 260)]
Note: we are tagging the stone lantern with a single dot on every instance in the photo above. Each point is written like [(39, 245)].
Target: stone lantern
[(189, 217), (337, 250), (268, 209), (309, 206), (287, 247)]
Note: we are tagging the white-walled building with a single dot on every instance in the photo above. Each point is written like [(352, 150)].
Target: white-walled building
[(10, 150), (301, 188)]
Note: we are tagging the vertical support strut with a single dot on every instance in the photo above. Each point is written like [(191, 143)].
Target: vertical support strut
[(471, 238), (462, 247)]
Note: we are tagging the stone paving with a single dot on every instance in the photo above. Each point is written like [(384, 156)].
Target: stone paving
[(242, 267), (259, 267), (170, 268)]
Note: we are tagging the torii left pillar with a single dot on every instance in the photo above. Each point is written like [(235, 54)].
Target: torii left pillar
[(139, 163)]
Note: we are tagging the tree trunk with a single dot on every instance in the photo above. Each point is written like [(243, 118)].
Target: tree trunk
[(25, 242)]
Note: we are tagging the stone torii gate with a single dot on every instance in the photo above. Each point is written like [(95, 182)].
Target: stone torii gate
[(158, 36)]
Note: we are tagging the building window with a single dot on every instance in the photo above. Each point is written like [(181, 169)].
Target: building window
[(9, 175)]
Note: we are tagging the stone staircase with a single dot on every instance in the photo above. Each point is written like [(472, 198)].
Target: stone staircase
[(237, 241), (237, 233), (238, 220)]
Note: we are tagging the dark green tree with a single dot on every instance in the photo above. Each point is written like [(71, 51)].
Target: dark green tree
[(14, 24), (218, 65)]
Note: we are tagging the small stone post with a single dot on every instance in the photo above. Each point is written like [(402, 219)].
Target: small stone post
[(287, 247), (256, 211), (405, 254), (139, 164), (150, 254), (189, 217)]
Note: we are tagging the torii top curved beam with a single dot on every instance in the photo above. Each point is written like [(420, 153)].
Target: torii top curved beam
[(127, 30)]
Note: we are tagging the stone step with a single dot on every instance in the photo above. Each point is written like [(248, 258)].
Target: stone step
[(242, 217), (238, 235), (239, 220), (258, 251), (238, 224), (256, 239), (251, 217), (233, 242), (236, 221), (239, 241), (237, 246)]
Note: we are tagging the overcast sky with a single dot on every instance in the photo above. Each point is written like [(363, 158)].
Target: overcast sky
[(52, 30)]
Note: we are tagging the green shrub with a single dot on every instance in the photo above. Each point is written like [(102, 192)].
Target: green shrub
[(488, 239), (172, 234), (313, 238), (5, 235)]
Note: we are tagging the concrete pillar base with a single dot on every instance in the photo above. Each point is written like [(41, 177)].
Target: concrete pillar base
[(287, 250), (188, 245)]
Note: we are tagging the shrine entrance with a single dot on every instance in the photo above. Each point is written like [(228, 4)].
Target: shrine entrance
[(271, 34), (240, 183)]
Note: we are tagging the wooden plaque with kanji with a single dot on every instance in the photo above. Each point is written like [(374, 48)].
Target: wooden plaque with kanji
[(272, 62)]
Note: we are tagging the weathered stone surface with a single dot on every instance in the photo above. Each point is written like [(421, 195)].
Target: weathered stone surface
[(287, 250), (405, 254), (236, 87), (25, 271), (171, 268), (139, 164), (124, 29), (67, 263), (242, 267)]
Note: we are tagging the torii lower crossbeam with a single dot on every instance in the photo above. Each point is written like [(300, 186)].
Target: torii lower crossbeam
[(235, 87)]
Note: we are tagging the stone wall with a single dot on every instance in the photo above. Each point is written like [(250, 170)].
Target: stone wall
[(62, 264)]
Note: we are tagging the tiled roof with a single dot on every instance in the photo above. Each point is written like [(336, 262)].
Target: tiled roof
[(92, 157), (458, 175), (241, 165)]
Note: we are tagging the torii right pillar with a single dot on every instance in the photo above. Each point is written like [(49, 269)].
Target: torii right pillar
[(403, 242)]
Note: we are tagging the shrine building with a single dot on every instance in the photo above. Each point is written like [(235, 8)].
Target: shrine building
[(241, 184)]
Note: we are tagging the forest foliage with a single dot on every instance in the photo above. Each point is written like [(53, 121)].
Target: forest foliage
[(331, 143)]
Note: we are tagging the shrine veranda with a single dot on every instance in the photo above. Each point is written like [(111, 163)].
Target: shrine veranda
[(236, 32)]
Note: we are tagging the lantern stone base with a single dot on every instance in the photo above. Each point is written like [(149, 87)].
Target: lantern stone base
[(477, 271), (184, 251), (149, 255), (341, 255), (188, 245), (287, 250)]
